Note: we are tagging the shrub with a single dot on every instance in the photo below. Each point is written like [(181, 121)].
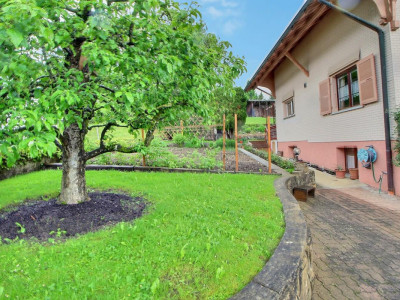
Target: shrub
[(228, 143), (179, 139), (276, 159), (194, 142)]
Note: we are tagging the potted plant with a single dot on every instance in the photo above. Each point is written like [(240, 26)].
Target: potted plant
[(353, 173), (340, 172)]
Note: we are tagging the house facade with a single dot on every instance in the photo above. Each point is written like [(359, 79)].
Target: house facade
[(325, 73)]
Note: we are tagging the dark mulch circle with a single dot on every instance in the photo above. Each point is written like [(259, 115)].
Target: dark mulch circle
[(47, 219)]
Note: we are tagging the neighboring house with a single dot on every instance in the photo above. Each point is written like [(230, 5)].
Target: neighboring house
[(325, 74), (261, 108)]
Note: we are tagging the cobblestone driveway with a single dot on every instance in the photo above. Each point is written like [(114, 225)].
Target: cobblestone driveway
[(356, 244)]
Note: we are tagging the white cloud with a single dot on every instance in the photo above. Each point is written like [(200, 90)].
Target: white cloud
[(215, 12), (231, 26), (226, 14)]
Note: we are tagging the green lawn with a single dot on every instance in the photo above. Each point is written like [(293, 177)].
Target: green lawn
[(119, 134), (204, 236), (258, 121)]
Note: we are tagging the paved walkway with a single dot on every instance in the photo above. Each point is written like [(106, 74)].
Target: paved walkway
[(356, 241)]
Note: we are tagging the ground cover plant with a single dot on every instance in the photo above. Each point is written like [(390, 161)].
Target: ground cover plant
[(202, 236), (275, 159)]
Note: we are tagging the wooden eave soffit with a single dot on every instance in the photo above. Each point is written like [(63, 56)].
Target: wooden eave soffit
[(387, 10), (297, 64)]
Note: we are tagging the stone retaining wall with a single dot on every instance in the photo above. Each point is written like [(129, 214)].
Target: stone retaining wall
[(288, 274), (23, 169)]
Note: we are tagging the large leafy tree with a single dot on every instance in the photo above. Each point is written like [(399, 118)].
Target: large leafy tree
[(68, 66)]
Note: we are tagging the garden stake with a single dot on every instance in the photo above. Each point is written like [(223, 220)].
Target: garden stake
[(236, 145), (144, 157), (269, 144), (223, 143), (182, 127)]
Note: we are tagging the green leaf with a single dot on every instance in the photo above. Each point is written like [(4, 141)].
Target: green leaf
[(129, 97), (15, 36)]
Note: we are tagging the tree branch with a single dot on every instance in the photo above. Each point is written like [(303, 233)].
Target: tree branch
[(107, 88), (111, 148), (58, 144)]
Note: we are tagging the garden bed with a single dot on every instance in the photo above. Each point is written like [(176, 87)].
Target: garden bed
[(182, 157)]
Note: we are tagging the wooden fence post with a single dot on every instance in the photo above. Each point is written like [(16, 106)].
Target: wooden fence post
[(223, 143), (182, 127), (236, 145), (269, 144), (144, 157)]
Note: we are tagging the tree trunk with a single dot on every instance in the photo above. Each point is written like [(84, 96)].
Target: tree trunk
[(73, 186)]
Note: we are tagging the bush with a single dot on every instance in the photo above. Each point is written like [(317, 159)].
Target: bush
[(179, 139), (276, 159), (194, 142), (228, 143)]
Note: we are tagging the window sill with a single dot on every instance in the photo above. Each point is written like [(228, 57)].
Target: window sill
[(288, 117), (347, 109)]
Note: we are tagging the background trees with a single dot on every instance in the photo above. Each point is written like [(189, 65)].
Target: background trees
[(70, 66)]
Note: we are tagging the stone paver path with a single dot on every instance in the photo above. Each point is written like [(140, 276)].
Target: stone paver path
[(356, 244)]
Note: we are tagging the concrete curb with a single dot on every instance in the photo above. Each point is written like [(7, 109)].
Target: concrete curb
[(288, 274)]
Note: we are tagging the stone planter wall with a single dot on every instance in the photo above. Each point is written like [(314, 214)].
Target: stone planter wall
[(288, 274)]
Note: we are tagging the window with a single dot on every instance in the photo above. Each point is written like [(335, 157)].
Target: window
[(348, 90), (289, 108), (354, 87)]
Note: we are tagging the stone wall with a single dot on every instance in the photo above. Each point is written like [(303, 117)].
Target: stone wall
[(23, 169), (288, 274)]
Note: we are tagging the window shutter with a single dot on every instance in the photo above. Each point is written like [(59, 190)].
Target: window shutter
[(334, 97), (325, 97), (367, 80)]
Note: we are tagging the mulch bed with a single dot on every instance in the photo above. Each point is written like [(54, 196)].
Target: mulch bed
[(48, 219)]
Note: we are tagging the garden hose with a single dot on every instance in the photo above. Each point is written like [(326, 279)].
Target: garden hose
[(380, 177)]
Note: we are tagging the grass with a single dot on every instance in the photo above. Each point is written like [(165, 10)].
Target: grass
[(204, 236), (258, 121), (119, 134)]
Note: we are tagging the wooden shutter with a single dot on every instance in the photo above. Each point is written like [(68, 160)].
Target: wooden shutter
[(325, 97), (367, 80), (334, 94)]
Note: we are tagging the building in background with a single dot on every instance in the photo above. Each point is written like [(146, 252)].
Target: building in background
[(325, 74)]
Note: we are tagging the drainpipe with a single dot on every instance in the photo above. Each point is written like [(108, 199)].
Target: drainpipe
[(382, 52)]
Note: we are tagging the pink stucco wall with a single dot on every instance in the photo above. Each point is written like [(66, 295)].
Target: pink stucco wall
[(330, 155)]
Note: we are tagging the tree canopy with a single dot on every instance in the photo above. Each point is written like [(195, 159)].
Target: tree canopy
[(67, 66)]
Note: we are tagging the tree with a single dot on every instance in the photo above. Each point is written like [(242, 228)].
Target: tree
[(230, 104), (69, 66), (252, 95)]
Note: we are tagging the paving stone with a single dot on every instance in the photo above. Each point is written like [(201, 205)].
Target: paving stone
[(356, 244)]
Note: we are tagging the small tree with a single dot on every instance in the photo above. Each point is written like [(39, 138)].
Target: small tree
[(69, 66), (231, 102)]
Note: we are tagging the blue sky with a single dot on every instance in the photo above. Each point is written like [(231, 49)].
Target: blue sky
[(251, 26)]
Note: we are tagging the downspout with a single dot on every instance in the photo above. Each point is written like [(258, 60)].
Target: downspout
[(382, 52)]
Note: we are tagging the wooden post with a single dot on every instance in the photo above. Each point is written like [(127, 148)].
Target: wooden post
[(144, 157), (182, 127), (236, 145), (269, 144), (223, 143)]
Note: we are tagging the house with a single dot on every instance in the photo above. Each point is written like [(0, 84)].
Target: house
[(337, 83), (261, 108)]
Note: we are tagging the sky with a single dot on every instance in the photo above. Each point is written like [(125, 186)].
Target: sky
[(251, 26)]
